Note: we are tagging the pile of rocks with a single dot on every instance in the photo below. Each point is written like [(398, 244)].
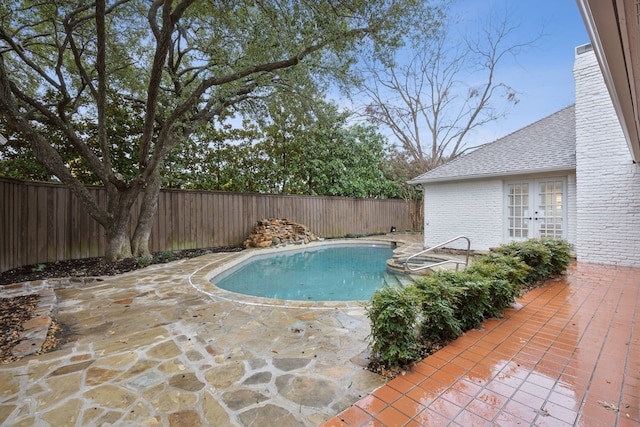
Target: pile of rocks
[(274, 232)]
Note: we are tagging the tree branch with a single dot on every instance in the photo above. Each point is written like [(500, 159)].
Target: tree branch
[(43, 152), (101, 95), (181, 110)]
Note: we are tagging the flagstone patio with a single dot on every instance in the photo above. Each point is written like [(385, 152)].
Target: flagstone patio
[(154, 347)]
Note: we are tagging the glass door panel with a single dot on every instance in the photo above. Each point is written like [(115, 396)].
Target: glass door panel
[(518, 204), (549, 211)]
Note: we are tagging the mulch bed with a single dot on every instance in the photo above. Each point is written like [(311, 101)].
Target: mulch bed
[(91, 267), (15, 311)]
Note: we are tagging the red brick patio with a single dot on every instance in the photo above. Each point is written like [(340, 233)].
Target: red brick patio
[(567, 355)]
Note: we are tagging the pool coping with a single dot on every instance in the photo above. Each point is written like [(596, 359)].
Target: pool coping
[(201, 278)]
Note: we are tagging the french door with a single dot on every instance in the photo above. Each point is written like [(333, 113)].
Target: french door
[(536, 208)]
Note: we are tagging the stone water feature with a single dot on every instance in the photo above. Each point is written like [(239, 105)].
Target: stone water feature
[(274, 232)]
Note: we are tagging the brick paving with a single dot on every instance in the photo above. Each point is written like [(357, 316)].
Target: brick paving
[(566, 355)]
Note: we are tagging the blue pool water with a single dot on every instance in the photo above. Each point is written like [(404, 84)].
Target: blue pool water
[(330, 273)]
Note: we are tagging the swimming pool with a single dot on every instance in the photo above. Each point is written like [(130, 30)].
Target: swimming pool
[(346, 272)]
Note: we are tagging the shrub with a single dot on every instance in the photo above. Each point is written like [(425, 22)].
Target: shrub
[(145, 261), (447, 303), (503, 267), (560, 255), (438, 296), (533, 253), (454, 302), (546, 257), (38, 268), (472, 304), (502, 295), (393, 313), (164, 256)]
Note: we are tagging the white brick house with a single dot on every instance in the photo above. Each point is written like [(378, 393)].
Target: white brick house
[(608, 196), (569, 175)]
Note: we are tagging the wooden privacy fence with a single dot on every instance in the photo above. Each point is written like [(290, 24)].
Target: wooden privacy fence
[(45, 222)]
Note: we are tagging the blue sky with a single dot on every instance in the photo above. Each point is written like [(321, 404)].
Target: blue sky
[(543, 74)]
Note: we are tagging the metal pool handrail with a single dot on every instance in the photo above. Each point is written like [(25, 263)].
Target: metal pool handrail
[(457, 263)]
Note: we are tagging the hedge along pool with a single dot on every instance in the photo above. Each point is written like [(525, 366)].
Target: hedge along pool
[(346, 272)]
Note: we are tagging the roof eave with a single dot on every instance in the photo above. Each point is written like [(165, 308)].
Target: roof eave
[(513, 173)]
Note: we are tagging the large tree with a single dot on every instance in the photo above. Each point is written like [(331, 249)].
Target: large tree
[(439, 89), (79, 68), (309, 147)]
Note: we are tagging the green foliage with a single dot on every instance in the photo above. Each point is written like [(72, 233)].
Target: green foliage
[(502, 295), (311, 149), (474, 304), (534, 254), (546, 257), (145, 261), (393, 313), (497, 266), (163, 256), (238, 67), (439, 298), (560, 255), (470, 297), (116, 93), (38, 268), (451, 302)]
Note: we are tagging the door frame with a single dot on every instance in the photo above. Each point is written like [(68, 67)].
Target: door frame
[(533, 227)]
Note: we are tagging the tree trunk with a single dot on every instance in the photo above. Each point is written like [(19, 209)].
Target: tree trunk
[(119, 204), (148, 210), (416, 214), (118, 245)]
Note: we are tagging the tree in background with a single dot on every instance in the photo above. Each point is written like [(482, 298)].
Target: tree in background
[(291, 150), (313, 150), (80, 70), (435, 93), (440, 89), (399, 167)]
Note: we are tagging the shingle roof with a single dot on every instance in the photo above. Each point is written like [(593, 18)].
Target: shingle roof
[(546, 145)]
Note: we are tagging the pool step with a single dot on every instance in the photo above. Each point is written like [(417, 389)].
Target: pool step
[(404, 279), (392, 279)]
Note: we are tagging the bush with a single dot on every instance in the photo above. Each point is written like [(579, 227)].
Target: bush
[(503, 267), (164, 256), (546, 257), (446, 303), (145, 261), (439, 297), (393, 313), (475, 305), (453, 302), (502, 295), (560, 255)]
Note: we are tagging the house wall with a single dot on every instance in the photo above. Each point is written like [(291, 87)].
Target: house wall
[(572, 209), (608, 183), (470, 208), (476, 209)]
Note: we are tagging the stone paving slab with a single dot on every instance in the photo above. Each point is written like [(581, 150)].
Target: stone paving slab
[(151, 348)]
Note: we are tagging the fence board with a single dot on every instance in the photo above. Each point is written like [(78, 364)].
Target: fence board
[(4, 220), (45, 222), (42, 225)]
